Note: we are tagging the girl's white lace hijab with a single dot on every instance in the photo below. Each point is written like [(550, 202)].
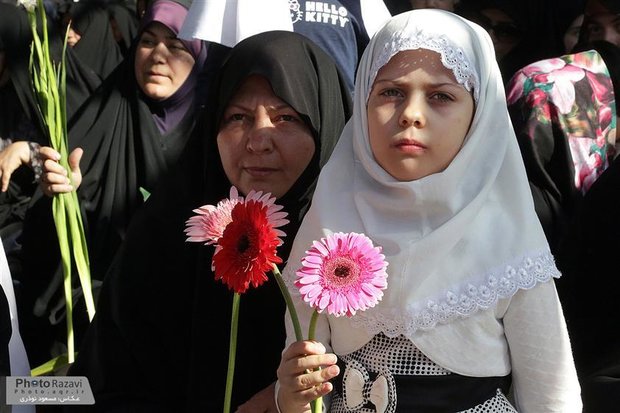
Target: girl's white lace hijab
[(456, 241)]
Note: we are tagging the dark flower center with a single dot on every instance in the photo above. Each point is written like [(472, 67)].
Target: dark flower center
[(243, 244), (342, 271)]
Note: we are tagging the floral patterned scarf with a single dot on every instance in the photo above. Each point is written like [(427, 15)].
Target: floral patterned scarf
[(564, 113)]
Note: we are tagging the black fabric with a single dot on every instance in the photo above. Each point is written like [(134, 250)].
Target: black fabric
[(588, 291), (534, 18), (20, 118), (5, 334), (126, 21), (436, 394), (161, 331), (97, 47), (124, 152)]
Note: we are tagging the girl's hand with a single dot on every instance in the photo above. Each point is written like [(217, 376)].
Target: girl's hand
[(54, 179), (299, 383)]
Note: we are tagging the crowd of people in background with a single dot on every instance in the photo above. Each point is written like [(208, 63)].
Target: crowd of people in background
[(172, 102)]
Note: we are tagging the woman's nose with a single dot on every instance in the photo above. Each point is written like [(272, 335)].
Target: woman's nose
[(260, 139)]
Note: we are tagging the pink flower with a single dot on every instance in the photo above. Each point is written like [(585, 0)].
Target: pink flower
[(342, 273), (211, 221)]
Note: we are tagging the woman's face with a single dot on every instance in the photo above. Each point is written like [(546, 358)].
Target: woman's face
[(502, 29), (418, 115), (162, 62), (571, 36), (263, 142), (433, 4)]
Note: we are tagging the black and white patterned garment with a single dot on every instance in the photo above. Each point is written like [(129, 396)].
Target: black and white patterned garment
[(368, 380)]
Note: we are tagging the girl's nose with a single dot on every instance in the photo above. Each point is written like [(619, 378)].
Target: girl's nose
[(412, 115)]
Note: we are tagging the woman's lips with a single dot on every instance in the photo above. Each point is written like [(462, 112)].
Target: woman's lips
[(259, 171)]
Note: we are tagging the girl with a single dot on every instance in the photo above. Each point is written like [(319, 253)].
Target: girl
[(429, 168)]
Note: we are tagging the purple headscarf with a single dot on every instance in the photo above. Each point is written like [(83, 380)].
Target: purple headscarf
[(169, 112)]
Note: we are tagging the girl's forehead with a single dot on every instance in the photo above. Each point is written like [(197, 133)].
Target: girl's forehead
[(407, 61)]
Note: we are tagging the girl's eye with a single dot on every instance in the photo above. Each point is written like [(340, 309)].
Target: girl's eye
[(442, 97)]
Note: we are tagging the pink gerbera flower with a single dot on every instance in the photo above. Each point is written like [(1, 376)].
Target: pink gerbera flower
[(210, 222), (342, 273)]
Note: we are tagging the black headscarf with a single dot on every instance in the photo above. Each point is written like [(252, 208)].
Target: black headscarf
[(534, 20), (163, 321), (97, 47)]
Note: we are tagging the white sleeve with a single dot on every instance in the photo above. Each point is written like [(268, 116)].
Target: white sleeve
[(543, 370), (374, 15)]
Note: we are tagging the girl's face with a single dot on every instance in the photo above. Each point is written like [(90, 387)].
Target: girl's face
[(162, 62), (263, 142), (418, 115)]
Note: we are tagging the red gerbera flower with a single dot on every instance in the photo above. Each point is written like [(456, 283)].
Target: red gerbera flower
[(247, 248)]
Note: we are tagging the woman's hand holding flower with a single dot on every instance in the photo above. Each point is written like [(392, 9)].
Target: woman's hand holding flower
[(54, 179)]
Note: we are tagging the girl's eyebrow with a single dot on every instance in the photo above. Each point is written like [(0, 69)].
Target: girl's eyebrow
[(438, 84)]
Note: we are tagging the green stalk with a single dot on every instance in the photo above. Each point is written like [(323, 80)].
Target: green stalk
[(49, 83), (317, 405), (232, 350), (289, 302)]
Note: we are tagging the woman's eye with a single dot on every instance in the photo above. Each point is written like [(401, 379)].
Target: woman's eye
[(235, 117), (287, 118), (177, 46), (390, 93), (145, 41)]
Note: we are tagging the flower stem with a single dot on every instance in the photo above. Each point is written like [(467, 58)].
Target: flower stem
[(289, 302), (317, 405), (232, 349)]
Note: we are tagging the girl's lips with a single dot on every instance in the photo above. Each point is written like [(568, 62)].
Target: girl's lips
[(410, 146)]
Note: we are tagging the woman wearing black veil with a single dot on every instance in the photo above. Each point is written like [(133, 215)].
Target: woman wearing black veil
[(159, 341), (130, 131)]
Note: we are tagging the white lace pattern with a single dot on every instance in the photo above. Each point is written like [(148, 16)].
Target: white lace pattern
[(461, 302), (453, 58)]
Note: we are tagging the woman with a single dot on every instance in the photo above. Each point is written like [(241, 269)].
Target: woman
[(92, 38), (162, 321), (522, 32), (564, 113), (130, 131), (589, 285)]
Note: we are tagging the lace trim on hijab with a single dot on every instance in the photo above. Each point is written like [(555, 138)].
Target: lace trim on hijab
[(453, 58), (460, 302)]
